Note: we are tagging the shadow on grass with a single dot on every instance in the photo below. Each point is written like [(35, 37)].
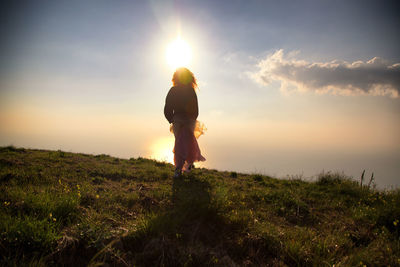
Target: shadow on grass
[(191, 231)]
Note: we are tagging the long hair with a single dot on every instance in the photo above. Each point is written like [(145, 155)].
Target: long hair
[(183, 76)]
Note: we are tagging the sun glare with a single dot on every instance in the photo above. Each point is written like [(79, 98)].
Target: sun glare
[(178, 53), (161, 149)]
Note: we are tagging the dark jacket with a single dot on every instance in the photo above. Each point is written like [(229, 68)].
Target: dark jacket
[(181, 100)]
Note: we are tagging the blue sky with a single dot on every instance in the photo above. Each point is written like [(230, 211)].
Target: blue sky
[(286, 87)]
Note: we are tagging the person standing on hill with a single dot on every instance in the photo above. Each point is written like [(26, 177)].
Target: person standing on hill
[(181, 110)]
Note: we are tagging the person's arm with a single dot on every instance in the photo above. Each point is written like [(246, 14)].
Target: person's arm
[(168, 109), (192, 108), (196, 107)]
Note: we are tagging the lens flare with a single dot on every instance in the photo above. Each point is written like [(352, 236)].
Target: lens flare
[(178, 53)]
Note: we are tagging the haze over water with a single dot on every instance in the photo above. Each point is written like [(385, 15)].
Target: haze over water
[(286, 88)]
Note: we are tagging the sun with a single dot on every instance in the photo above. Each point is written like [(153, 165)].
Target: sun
[(178, 53)]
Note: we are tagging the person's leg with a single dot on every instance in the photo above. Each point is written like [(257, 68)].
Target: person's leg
[(179, 161), (193, 152), (188, 167)]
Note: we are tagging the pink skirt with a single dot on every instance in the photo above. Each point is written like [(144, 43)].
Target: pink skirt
[(186, 149)]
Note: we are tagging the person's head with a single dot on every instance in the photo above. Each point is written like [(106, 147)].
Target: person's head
[(184, 76)]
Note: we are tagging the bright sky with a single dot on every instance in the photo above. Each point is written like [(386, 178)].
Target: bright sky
[(286, 87)]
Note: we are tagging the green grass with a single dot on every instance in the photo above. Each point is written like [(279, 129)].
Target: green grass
[(60, 208)]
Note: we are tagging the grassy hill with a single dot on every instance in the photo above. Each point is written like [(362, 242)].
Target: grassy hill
[(60, 208)]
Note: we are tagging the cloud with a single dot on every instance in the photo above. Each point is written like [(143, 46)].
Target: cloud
[(374, 77)]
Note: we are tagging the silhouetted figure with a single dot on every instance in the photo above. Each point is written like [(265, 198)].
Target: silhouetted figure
[(181, 109)]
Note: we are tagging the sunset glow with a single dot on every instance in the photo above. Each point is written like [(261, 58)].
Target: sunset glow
[(161, 149)]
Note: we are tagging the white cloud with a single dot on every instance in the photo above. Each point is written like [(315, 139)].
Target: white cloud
[(374, 77)]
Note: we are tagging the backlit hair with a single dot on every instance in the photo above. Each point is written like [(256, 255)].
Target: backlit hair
[(184, 76)]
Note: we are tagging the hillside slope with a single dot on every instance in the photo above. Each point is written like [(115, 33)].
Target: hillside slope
[(78, 209)]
